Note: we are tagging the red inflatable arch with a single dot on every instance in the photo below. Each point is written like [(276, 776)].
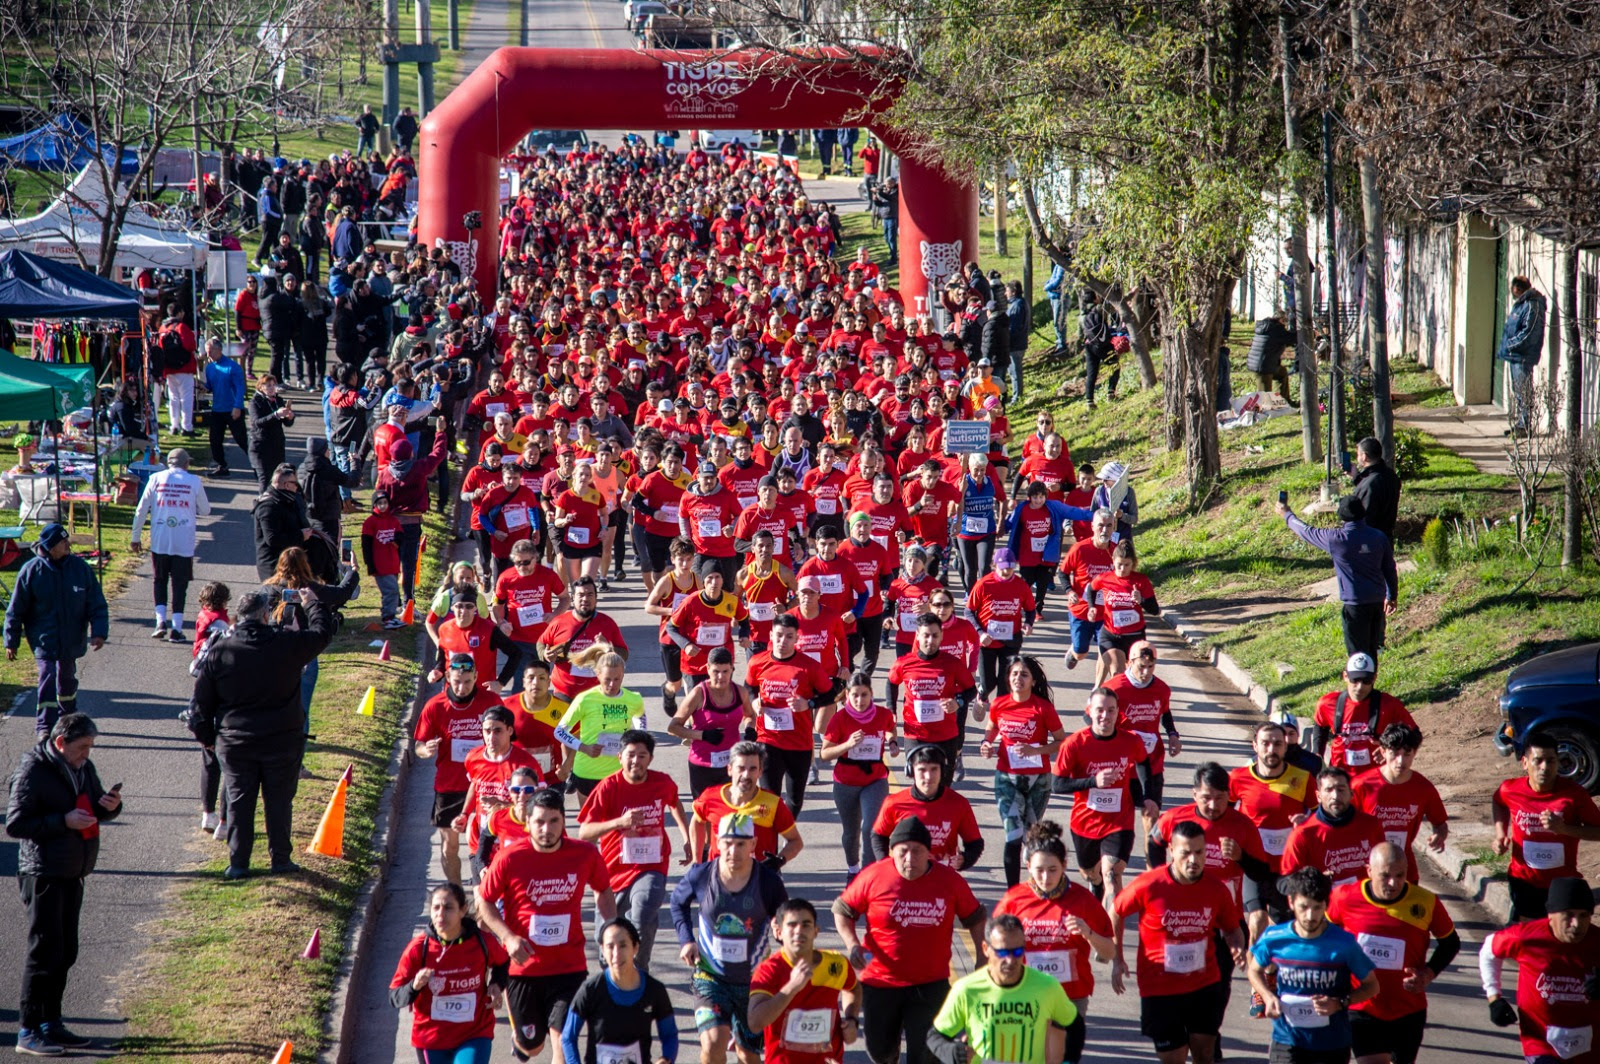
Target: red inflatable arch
[(518, 89)]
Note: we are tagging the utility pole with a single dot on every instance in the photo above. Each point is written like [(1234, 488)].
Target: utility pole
[(1299, 294), (424, 66), (1376, 298), (390, 52), (1336, 440), (522, 36), (454, 9), (1000, 209)]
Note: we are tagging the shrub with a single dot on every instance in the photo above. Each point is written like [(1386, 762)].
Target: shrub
[(1410, 454), (1436, 544)]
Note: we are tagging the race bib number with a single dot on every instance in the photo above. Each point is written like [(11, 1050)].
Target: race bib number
[(544, 759), (460, 748), (1059, 964), (1357, 757), (1569, 1042), (712, 635), (907, 622), (975, 526), (516, 517), (1298, 1011), (808, 1027), (763, 611), (585, 671), (1037, 543), (1004, 631), (832, 584), (1124, 618), (528, 616), (454, 1008), (1181, 958), (746, 501), (1273, 840), (827, 507), (730, 950), (577, 536), (641, 849), (669, 514), (928, 710), (1384, 952), (1019, 761), (709, 526), (777, 718), (1543, 855), (550, 929), (611, 744), (882, 541), (1150, 739), (494, 409), (1398, 838), (720, 758), (870, 748), (614, 1054), (1105, 799)]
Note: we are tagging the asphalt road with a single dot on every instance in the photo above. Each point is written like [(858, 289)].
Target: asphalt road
[(134, 688)]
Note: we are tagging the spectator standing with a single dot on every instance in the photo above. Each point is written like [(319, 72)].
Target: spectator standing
[(280, 519), (56, 602), (405, 129), (1095, 332), (1052, 290), (247, 319), (176, 343), (282, 314), (56, 807), (269, 413), (1265, 359), (886, 209), (1377, 486), (323, 485), (1363, 560), (174, 500), (224, 379), (367, 126), (248, 709), (1521, 344), (1019, 318), (269, 212)]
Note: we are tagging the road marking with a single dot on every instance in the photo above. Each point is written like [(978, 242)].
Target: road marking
[(594, 24)]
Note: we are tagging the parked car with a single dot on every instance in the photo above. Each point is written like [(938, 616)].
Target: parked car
[(635, 12), (1558, 693), (714, 139), (540, 140)]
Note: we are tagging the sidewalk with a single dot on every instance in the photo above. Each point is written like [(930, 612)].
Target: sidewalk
[(1476, 433)]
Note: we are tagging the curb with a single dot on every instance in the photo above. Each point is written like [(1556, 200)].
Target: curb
[(1485, 887)]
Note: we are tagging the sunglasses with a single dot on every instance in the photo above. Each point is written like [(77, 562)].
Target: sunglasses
[(518, 789), (522, 562), (1004, 954)]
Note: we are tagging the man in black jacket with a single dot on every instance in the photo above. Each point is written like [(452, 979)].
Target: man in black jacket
[(1272, 337), (57, 804), (248, 709), (1377, 486), (281, 520), (321, 483), (281, 315)]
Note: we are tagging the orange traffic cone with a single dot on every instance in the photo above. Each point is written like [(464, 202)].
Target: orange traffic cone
[(329, 839), (285, 1054), (409, 616), (313, 950), (383, 655)]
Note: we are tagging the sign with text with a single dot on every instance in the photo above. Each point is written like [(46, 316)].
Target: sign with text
[(966, 437)]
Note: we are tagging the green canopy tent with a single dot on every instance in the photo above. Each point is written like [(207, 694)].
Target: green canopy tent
[(48, 391), (26, 399)]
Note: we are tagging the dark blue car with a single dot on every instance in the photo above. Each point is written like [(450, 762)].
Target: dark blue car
[(1557, 693)]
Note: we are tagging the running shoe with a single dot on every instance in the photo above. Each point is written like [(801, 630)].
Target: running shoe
[(160, 631), (209, 821)]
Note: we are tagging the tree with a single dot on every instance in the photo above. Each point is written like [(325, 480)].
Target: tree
[(1170, 115), (140, 74)]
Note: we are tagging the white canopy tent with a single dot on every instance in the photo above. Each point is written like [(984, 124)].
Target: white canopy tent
[(72, 220)]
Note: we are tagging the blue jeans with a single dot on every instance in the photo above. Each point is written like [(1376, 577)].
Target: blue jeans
[(345, 462), (1055, 321), (308, 687), (641, 903), (891, 236), (1520, 396), (1017, 356)]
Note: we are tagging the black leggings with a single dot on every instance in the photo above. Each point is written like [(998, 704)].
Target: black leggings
[(866, 642), (177, 570), (976, 557), (791, 765), (1041, 578), (995, 663), (210, 781), (1093, 359)]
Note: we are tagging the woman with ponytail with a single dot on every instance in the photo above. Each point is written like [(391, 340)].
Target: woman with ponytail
[(1024, 732)]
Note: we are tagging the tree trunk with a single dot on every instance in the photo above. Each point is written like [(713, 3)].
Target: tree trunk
[(1189, 345), (1305, 352), (1174, 382), (1572, 414), (1376, 296)]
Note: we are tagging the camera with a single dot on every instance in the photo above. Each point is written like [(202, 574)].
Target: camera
[(472, 220)]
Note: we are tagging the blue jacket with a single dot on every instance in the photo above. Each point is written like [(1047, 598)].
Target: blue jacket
[(58, 605), (1523, 340), (267, 205), (1020, 320), (225, 382), (1060, 514), (1052, 287), (1363, 559)]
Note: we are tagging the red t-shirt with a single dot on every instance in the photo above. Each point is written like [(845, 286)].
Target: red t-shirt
[(707, 627), (587, 513), (949, 819), (516, 517), (744, 483), (1051, 948), (564, 630), (778, 521), (909, 600), (384, 531), (824, 486), (1394, 935), (662, 496), (1121, 601), (631, 853), (1230, 825), (1055, 473), (931, 523), (1001, 606), (1271, 804), (765, 595), (960, 641), (1352, 746), (1033, 533), (1539, 856), (459, 1010), (1550, 987), (863, 763), (872, 560), (1142, 709), (459, 731), (823, 639), (927, 683), (776, 683), (711, 521), (536, 732), (841, 583), (1101, 811), (476, 639), (1084, 562), (491, 781), (1177, 921), (772, 818), (908, 921), (808, 1030), (541, 899), (1026, 723), (1400, 808), (529, 600), (1339, 850)]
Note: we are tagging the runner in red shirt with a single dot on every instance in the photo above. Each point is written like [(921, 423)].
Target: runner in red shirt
[(806, 999), (1276, 796), (1349, 722), (466, 631), (1556, 961), (1119, 600), (958, 637), (876, 566), (856, 738), (1085, 560), (1024, 733), (1539, 820), (788, 688), (570, 634), (1401, 797), (952, 825), (536, 717), (767, 587), (707, 513), (1181, 912), (448, 976), (510, 513), (844, 591), (937, 691), (655, 506), (448, 729), (1096, 766), (714, 618), (1233, 843), (766, 516), (1394, 920), (776, 832), (1337, 838), (627, 814), (1144, 705), (672, 589), (930, 499), (910, 904), (526, 596), (1062, 923), (1048, 462), (822, 635), (910, 596), (489, 768), (1001, 607), (531, 899)]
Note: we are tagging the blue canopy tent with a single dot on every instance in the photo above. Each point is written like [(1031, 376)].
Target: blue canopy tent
[(61, 144)]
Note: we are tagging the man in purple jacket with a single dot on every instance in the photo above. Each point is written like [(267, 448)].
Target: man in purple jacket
[(1363, 560)]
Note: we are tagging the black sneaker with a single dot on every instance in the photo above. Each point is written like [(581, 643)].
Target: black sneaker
[(61, 1035), (284, 868)]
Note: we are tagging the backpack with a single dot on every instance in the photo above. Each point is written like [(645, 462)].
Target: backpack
[(1375, 700), (174, 355)]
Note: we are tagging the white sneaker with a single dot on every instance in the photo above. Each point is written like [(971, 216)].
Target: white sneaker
[(221, 832), (209, 822)]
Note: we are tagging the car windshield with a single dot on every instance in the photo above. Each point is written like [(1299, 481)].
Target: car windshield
[(541, 139)]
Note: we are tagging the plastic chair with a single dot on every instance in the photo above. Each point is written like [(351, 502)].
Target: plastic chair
[(38, 495)]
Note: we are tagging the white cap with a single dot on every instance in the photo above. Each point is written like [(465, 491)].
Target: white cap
[(1361, 665)]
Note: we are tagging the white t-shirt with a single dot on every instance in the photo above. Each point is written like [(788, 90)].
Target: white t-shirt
[(174, 500)]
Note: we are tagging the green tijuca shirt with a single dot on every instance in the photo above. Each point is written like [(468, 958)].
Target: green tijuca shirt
[(1006, 1025), (595, 718)]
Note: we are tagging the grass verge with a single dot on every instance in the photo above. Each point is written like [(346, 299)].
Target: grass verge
[(226, 982)]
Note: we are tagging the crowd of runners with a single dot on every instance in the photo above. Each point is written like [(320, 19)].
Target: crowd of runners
[(693, 398)]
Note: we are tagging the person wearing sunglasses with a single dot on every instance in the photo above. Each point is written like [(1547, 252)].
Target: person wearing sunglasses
[(509, 825), (1006, 1009)]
